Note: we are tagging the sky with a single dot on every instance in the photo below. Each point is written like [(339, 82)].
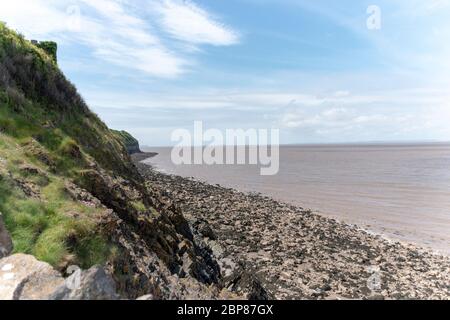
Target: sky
[(320, 71)]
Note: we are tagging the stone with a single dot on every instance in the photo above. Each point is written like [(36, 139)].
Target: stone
[(206, 230), (293, 253), (6, 244), (93, 284), (146, 297), (245, 282), (23, 277)]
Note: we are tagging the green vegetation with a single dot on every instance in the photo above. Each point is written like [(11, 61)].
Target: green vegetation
[(52, 227), (48, 138), (38, 102), (128, 140), (51, 48)]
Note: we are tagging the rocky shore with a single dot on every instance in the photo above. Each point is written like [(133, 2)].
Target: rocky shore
[(292, 253)]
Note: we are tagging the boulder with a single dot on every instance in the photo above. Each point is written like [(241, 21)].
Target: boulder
[(93, 284), (205, 229), (244, 281), (6, 244), (22, 277)]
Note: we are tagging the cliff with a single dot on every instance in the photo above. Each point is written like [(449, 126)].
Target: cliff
[(130, 143), (70, 194)]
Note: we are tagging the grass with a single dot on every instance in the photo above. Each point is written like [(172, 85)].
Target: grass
[(45, 229), (48, 227), (44, 123)]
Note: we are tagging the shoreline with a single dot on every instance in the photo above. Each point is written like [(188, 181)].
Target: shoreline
[(372, 190), (299, 254), (364, 225)]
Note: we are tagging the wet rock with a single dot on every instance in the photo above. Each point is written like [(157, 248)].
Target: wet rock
[(6, 244)]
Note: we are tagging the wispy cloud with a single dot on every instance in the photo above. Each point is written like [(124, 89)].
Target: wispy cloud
[(417, 8), (338, 116), (186, 21), (117, 34), (314, 70), (122, 38)]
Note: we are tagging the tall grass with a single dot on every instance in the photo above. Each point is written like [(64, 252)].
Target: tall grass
[(47, 227)]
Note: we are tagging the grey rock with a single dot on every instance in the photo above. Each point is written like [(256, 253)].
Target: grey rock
[(146, 297), (23, 277), (245, 282), (6, 244), (205, 229), (93, 284)]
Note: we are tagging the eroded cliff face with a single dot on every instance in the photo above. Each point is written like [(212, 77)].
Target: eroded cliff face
[(70, 193)]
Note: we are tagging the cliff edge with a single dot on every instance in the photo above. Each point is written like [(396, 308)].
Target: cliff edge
[(70, 194)]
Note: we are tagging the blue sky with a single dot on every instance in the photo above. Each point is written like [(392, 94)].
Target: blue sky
[(313, 69)]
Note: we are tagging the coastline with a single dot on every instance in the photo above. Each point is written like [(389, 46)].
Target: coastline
[(298, 254)]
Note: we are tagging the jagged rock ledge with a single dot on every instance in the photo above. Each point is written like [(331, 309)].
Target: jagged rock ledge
[(293, 253)]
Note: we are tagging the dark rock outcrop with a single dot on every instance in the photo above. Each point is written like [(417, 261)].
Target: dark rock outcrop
[(6, 244), (244, 281)]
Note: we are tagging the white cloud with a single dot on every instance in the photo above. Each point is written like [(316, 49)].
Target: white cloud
[(116, 33), (34, 17), (398, 114), (112, 33), (186, 21), (128, 41), (418, 8)]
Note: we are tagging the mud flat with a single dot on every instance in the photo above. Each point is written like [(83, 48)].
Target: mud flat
[(297, 254)]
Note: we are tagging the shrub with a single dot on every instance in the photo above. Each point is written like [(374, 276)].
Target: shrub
[(51, 48)]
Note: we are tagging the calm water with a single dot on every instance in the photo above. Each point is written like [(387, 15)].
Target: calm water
[(400, 191)]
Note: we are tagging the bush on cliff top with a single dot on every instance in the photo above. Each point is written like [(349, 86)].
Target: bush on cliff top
[(51, 48)]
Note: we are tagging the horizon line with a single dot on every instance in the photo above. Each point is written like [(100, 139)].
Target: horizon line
[(361, 143)]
